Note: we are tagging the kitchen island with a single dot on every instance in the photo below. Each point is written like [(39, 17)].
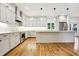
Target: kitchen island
[(42, 34), (55, 36)]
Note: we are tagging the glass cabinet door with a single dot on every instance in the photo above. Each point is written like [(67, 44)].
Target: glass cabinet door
[(52, 25), (49, 26)]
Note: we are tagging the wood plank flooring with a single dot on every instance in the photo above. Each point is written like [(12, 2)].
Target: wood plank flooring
[(31, 48)]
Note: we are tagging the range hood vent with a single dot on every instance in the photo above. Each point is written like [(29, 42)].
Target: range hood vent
[(18, 21)]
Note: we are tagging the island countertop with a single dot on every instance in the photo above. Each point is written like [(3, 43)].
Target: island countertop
[(24, 29), (55, 31)]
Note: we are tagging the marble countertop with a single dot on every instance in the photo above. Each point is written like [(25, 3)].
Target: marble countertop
[(56, 31), (24, 29)]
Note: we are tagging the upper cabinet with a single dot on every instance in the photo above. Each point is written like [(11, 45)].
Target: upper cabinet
[(10, 17), (7, 15), (11, 14), (2, 13), (18, 16)]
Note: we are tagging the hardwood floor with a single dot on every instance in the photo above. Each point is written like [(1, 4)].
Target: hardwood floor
[(31, 48)]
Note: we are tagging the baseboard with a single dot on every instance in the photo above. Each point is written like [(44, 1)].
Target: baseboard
[(54, 42)]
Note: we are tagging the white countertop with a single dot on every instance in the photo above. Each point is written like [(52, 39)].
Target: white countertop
[(58, 31), (23, 29)]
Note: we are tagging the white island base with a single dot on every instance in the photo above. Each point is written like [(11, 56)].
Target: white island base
[(55, 37)]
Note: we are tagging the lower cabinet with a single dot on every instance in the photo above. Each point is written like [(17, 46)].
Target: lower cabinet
[(4, 45), (31, 34), (17, 38), (8, 42), (14, 40)]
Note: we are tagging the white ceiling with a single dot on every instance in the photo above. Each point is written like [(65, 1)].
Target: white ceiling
[(33, 9)]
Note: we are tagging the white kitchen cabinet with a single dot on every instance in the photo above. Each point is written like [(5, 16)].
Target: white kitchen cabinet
[(31, 34), (12, 40), (17, 38), (3, 13), (26, 35), (8, 42), (13, 18), (7, 15), (10, 16), (4, 44)]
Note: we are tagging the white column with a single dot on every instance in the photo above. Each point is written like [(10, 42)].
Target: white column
[(76, 44)]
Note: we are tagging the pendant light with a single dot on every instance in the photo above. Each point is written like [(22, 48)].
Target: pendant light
[(41, 13), (41, 17), (54, 18), (69, 25), (67, 15)]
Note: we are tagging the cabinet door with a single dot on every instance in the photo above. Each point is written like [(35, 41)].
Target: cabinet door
[(12, 41), (10, 16), (7, 15), (13, 18), (3, 13), (31, 34), (4, 45), (17, 38)]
